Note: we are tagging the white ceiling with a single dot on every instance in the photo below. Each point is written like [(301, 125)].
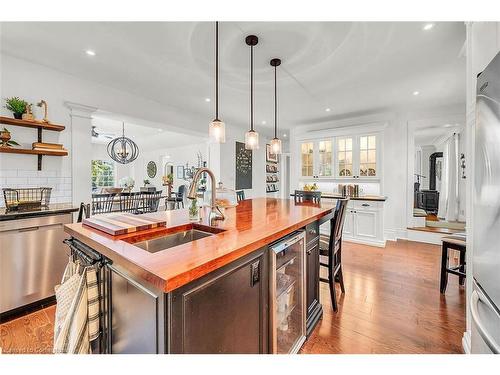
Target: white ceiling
[(146, 137), (352, 68), (434, 135)]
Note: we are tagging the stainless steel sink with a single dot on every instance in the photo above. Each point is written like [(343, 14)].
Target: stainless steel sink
[(174, 239)]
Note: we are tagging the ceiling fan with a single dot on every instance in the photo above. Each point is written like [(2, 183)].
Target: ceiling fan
[(95, 134)]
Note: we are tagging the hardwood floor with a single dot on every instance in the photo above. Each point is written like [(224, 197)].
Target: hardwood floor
[(392, 304), (30, 334)]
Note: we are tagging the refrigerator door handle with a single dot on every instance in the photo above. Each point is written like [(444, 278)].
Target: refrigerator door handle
[(490, 341)]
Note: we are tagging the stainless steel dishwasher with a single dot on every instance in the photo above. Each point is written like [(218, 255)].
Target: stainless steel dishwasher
[(32, 259)]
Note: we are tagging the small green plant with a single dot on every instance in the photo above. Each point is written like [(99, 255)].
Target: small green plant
[(146, 182), (16, 105)]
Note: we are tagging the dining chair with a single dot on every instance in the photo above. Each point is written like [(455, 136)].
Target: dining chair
[(178, 198), (102, 203), (330, 246), (149, 201), (129, 202), (307, 196)]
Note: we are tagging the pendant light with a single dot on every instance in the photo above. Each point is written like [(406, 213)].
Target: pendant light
[(122, 149), (217, 129), (251, 136), (275, 142)]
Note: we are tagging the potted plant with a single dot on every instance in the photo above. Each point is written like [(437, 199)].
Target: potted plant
[(16, 106), (5, 139), (146, 182)]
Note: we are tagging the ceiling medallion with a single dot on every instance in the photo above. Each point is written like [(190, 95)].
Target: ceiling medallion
[(122, 149)]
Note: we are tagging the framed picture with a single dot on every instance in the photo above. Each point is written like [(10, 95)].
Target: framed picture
[(180, 172), (270, 157)]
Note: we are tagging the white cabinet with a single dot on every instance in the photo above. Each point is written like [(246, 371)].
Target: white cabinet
[(316, 158), (363, 223), (341, 157)]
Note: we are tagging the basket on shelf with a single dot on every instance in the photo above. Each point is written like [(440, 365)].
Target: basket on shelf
[(26, 198)]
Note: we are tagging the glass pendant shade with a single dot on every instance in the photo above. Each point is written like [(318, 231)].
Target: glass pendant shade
[(217, 131), (251, 140), (276, 146)]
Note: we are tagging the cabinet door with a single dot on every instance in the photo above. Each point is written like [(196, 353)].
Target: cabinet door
[(307, 159), (325, 158), (349, 223), (367, 157), (223, 312), (134, 320), (366, 224), (344, 157)]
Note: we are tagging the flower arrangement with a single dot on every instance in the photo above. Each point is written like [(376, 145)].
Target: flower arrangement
[(127, 183)]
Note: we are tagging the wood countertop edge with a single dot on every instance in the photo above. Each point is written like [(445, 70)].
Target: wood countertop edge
[(186, 276)]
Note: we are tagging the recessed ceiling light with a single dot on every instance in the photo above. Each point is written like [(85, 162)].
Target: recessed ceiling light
[(160, 130), (284, 135), (263, 122), (447, 125), (327, 110), (428, 26), (416, 93), (207, 100), (90, 52)]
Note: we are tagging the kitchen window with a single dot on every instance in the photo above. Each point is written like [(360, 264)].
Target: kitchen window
[(103, 174)]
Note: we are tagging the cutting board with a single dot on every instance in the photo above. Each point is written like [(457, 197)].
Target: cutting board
[(122, 223)]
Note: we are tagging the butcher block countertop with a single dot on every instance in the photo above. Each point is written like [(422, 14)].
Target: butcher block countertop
[(247, 227)]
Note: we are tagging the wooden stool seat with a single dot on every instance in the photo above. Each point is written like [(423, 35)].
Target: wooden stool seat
[(458, 242)]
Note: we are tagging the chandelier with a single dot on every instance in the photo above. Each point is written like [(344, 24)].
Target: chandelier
[(122, 149)]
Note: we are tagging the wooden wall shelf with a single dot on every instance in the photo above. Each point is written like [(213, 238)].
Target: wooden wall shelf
[(12, 150), (34, 125), (31, 124)]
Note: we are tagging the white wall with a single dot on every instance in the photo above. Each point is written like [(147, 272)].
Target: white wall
[(228, 167), (395, 165), (483, 43), (427, 151), (34, 82)]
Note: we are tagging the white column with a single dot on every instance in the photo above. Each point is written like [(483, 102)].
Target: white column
[(81, 151)]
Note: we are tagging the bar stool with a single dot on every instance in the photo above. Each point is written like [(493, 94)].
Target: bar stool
[(457, 242), (331, 247)]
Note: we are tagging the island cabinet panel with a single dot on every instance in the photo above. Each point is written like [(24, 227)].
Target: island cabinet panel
[(314, 309), (225, 311), (135, 325)]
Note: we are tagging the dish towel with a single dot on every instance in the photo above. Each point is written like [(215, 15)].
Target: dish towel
[(77, 311)]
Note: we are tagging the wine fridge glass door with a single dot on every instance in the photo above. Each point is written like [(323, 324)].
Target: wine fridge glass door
[(288, 303)]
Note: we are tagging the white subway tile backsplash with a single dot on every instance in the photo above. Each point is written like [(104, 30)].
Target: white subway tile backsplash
[(60, 183), (8, 173)]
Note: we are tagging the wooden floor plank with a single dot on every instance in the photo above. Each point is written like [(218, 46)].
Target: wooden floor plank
[(392, 304)]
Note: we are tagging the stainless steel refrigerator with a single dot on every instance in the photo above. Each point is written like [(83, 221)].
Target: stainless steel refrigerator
[(485, 299)]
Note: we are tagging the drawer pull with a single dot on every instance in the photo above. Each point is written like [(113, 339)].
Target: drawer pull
[(365, 205)]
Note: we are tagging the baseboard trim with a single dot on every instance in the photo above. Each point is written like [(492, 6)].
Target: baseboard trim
[(365, 242), (466, 346)]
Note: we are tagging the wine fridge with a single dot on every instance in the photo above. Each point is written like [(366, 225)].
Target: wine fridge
[(287, 294)]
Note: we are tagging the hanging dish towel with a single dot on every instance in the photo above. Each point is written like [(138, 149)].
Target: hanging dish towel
[(77, 311)]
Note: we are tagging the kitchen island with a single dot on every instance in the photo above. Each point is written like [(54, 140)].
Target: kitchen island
[(207, 295)]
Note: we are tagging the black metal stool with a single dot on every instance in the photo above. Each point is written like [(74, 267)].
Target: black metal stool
[(457, 242)]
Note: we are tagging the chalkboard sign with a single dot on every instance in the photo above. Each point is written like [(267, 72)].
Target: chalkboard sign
[(243, 167)]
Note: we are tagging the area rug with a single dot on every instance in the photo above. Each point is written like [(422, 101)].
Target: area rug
[(456, 225)]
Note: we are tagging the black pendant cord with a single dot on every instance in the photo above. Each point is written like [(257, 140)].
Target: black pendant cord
[(217, 70), (275, 105), (251, 88)]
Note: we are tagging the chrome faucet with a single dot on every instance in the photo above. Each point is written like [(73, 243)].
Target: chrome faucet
[(215, 212)]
